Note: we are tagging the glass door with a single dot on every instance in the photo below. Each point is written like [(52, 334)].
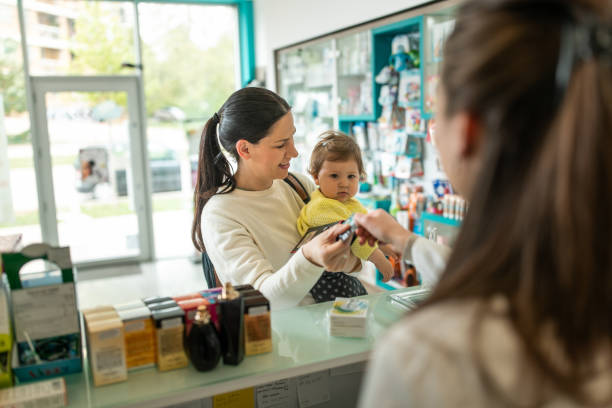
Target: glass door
[(91, 168)]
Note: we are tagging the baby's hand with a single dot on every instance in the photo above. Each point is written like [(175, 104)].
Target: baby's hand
[(386, 269), (388, 251)]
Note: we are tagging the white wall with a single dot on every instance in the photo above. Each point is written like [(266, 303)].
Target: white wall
[(280, 23)]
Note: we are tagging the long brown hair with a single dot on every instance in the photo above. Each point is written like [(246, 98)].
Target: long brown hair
[(538, 229), (248, 114)]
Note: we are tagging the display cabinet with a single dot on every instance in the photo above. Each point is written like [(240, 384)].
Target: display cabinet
[(354, 76), (306, 81), (438, 27), (380, 86)]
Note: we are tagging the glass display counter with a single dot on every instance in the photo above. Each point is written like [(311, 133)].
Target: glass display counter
[(301, 342)]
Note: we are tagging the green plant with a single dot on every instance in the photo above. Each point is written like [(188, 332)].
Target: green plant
[(20, 138)]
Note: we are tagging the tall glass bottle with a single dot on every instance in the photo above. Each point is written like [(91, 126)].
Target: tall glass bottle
[(231, 322)]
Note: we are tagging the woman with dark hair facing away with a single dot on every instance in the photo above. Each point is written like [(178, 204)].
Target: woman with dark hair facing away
[(522, 314)]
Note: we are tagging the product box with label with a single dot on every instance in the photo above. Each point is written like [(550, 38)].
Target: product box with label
[(348, 317), (43, 394), (257, 324), (6, 342), (139, 337), (106, 345), (195, 295), (44, 312), (169, 325)]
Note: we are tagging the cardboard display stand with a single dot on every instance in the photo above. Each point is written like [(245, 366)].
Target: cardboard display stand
[(45, 316)]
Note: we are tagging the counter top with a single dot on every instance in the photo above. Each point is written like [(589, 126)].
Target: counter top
[(301, 344)]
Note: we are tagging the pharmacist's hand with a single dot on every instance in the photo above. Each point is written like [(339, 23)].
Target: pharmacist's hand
[(379, 225), (333, 255)]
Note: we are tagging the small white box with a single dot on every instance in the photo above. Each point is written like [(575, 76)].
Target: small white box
[(47, 394), (348, 317)]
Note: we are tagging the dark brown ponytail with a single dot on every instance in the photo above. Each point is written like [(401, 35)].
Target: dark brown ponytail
[(538, 229), (248, 114)]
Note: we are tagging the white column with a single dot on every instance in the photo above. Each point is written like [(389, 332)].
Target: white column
[(6, 200)]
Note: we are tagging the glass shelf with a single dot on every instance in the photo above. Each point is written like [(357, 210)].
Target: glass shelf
[(438, 27), (354, 75)]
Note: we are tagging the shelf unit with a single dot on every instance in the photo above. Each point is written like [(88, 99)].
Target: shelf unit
[(351, 49), (381, 41)]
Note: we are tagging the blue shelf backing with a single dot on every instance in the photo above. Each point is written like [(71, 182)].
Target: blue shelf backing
[(355, 118), (381, 50), (440, 219)]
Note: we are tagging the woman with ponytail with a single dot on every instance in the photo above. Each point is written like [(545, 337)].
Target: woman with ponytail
[(522, 315), (245, 214)]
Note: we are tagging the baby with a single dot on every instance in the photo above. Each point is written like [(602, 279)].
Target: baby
[(336, 167)]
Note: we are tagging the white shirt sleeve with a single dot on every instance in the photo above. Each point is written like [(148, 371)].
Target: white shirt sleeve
[(237, 259), (407, 370), (429, 259)]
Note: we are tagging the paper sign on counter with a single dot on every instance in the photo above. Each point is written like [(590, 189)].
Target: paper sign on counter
[(313, 389), (236, 399), (276, 394)]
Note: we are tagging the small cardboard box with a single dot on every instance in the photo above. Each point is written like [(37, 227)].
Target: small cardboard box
[(348, 317), (180, 298), (169, 326), (47, 394), (257, 324), (161, 305), (6, 342), (106, 345), (139, 337), (155, 299), (132, 304), (46, 323)]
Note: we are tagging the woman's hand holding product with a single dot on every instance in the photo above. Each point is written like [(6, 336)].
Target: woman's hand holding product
[(332, 254)]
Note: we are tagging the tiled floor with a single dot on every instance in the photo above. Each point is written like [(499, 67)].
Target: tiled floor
[(117, 284)]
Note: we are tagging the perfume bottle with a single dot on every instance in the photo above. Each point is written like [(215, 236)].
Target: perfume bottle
[(231, 322), (202, 342)]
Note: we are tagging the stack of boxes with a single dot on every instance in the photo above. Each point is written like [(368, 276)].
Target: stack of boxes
[(106, 345), (120, 338), (348, 317), (139, 334), (169, 322)]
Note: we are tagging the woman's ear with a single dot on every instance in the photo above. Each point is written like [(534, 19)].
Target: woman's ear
[(470, 134), (242, 147)]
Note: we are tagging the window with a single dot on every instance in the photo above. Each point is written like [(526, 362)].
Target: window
[(49, 53), (48, 19)]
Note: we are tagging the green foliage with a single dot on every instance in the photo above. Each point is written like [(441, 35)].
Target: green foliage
[(20, 138), (197, 81), (101, 44), (176, 72), (22, 218), (12, 81), (97, 210)]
